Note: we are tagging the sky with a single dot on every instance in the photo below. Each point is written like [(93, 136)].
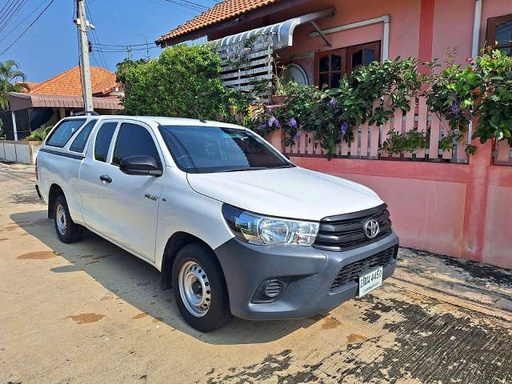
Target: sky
[(50, 45)]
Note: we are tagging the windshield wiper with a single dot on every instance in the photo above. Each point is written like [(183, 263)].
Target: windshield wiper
[(242, 169)]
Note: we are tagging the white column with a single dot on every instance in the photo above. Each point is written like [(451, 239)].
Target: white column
[(477, 22), (14, 128)]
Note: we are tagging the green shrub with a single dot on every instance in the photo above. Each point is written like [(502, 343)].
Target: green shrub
[(183, 82), (35, 136), (38, 135)]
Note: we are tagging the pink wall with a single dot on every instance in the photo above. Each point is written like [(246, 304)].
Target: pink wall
[(449, 21), (497, 246), (404, 28), (453, 29), (442, 208)]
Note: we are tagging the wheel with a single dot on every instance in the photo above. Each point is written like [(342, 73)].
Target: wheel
[(200, 289), (67, 230)]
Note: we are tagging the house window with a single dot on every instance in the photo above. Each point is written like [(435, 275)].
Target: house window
[(499, 33), (331, 66)]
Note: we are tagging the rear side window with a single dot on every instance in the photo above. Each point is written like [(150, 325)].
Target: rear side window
[(134, 140), (63, 132), (78, 144), (103, 139)]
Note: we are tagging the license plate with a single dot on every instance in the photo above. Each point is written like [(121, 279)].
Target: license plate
[(369, 281)]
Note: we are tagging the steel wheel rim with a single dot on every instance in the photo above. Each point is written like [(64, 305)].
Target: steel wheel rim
[(60, 218), (194, 288)]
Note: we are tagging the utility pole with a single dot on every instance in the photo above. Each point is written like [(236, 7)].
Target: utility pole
[(82, 25)]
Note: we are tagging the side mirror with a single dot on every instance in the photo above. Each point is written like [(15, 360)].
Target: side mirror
[(140, 165)]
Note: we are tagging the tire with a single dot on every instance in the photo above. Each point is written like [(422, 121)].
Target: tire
[(67, 230), (200, 289)]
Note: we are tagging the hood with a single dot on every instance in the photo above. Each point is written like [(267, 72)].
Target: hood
[(294, 193)]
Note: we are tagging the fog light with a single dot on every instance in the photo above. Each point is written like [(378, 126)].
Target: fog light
[(270, 290), (273, 288)]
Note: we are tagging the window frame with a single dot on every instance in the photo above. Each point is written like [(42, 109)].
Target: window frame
[(95, 147), (67, 134), (346, 54), (85, 130), (113, 162), (492, 24)]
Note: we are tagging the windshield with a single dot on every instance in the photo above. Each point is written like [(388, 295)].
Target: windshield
[(198, 149)]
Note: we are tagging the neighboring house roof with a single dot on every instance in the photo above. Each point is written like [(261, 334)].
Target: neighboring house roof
[(226, 10), (69, 83), (19, 101), (31, 85), (65, 91)]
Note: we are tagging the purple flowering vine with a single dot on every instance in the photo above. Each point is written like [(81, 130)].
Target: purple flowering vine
[(292, 123), (344, 128), (455, 106), (332, 102), (273, 122)]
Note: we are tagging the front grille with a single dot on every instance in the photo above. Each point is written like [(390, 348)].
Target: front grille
[(353, 271), (344, 232)]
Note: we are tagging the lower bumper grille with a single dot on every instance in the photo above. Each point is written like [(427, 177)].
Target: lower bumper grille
[(351, 272)]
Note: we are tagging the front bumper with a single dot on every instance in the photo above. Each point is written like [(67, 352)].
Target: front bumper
[(308, 274)]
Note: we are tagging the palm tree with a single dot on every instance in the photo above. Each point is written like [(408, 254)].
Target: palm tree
[(11, 80)]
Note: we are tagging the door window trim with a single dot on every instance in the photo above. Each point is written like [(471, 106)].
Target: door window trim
[(115, 141), (492, 24)]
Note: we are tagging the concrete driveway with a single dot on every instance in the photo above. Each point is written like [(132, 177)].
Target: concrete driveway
[(91, 313)]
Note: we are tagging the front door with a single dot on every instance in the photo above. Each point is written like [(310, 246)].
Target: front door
[(129, 203)]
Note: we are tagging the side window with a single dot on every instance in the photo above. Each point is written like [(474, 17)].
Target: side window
[(362, 55), (331, 66), (63, 132), (103, 139), (499, 33), (134, 140), (78, 144)]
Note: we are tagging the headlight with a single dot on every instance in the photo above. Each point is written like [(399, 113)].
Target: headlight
[(264, 230)]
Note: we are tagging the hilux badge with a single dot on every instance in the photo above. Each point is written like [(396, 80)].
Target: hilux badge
[(150, 196)]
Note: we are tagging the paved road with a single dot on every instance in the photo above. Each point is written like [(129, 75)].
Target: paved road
[(91, 313)]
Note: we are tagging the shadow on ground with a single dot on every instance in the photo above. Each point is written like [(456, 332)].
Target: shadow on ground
[(138, 283)]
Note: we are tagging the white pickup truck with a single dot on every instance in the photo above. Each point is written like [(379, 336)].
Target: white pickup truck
[(230, 222)]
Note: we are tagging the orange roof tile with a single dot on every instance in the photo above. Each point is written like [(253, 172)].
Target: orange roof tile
[(69, 83), (31, 85), (220, 12)]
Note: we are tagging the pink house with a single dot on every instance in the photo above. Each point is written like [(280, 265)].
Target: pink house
[(462, 208)]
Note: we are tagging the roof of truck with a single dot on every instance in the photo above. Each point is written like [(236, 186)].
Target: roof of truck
[(160, 120)]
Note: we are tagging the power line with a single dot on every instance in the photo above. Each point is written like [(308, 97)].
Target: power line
[(124, 45), (7, 34), (4, 6), (6, 9), (101, 61), (188, 5), (11, 13), (26, 29), (123, 48)]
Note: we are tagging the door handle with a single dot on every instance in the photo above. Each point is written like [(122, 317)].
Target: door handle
[(106, 178)]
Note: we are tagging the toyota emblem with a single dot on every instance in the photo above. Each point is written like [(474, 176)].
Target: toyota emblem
[(371, 228)]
